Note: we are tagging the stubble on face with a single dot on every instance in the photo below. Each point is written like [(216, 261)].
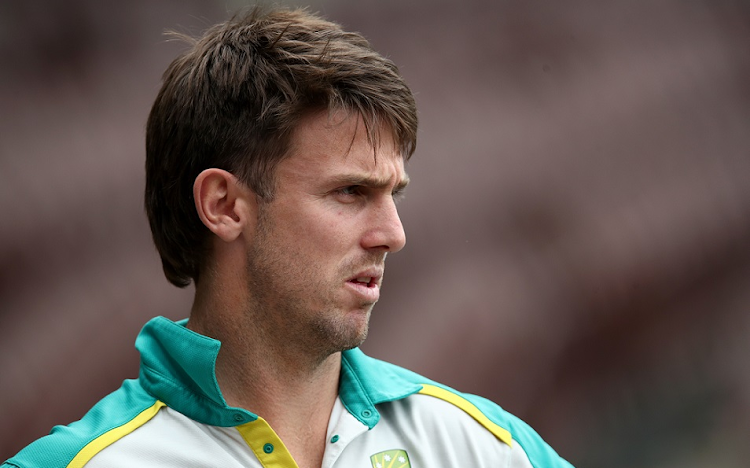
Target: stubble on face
[(294, 305)]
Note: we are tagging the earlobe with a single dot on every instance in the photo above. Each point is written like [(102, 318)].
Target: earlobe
[(223, 203)]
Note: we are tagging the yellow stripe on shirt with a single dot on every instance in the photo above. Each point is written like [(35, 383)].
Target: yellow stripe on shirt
[(266, 444), (470, 409), (113, 435)]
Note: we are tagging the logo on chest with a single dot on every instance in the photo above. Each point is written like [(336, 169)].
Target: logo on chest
[(395, 458)]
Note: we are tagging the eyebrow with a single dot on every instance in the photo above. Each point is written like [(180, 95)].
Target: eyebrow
[(371, 182)]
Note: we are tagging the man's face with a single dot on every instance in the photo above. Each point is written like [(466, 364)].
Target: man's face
[(316, 260)]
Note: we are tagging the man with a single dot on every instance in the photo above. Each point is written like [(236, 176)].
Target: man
[(275, 156)]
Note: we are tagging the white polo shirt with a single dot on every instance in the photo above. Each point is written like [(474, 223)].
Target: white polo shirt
[(174, 416)]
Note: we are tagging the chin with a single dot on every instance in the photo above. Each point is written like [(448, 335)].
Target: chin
[(355, 336), (347, 333), (357, 341)]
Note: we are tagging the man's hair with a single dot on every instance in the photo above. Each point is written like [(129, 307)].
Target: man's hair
[(233, 100)]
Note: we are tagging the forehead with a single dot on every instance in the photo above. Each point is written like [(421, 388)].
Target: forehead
[(337, 142)]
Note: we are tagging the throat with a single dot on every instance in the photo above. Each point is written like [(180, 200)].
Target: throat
[(298, 409), (268, 384)]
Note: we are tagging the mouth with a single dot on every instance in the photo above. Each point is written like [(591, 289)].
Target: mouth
[(366, 285), (367, 281)]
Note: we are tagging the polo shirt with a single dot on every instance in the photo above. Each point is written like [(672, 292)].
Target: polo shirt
[(174, 415)]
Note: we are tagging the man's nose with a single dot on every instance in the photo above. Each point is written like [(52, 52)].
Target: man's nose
[(386, 231)]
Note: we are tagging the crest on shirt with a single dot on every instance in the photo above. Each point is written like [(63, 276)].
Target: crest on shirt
[(395, 458)]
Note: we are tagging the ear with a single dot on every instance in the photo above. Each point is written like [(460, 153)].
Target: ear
[(225, 205)]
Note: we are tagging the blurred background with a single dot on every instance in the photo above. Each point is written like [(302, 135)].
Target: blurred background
[(578, 221)]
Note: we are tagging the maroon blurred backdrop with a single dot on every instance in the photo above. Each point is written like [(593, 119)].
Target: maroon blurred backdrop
[(577, 223)]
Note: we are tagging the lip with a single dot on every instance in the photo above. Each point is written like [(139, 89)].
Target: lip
[(369, 292)]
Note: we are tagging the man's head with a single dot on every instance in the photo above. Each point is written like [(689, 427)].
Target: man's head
[(314, 257), (234, 101)]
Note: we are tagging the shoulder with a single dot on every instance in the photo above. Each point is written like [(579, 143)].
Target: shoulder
[(113, 417), (435, 408), (484, 426)]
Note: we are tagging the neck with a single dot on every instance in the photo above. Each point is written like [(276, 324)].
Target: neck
[(292, 390)]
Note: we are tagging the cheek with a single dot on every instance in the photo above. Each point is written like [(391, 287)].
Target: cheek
[(327, 231)]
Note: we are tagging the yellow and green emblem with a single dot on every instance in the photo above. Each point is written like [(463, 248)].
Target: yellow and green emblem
[(390, 459)]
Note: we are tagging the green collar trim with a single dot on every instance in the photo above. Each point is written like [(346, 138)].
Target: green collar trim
[(178, 367), (366, 382)]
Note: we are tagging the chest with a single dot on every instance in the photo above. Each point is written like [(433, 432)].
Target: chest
[(409, 434)]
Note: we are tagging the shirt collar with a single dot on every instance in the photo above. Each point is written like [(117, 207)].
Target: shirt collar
[(178, 366)]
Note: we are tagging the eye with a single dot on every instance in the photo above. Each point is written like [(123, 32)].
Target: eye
[(350, 190), (349, 193)]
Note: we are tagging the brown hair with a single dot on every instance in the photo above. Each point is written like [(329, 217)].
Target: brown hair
[(233, 100)]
